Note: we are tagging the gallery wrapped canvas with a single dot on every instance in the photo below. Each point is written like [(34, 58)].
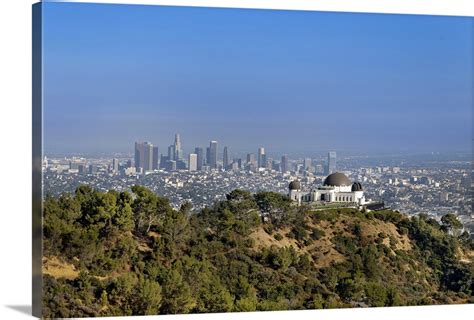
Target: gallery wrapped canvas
[(201, 160)]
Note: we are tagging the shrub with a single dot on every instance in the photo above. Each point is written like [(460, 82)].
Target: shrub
[(299, 233), (403, 230), (317, 233), (278, 236), (268, 228)]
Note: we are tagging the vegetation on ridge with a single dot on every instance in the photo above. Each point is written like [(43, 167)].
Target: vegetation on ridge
[(131, 253)]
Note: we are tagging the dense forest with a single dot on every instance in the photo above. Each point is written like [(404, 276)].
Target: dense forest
[(131, 253)]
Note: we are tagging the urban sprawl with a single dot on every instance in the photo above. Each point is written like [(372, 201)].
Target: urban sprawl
[(431, 184)]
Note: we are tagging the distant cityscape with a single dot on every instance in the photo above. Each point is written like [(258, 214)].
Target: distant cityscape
[(147, 159), (432, 184)]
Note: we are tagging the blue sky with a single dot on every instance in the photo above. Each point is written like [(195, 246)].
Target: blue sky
[(288, 80)]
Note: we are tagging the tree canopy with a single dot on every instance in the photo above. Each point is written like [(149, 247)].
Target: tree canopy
[(131, 253)]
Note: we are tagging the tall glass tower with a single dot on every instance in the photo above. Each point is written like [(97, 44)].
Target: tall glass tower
[(200, 157), (226, 158), (331, 162), (284, 164), (144, 156), (155, 158), (177, 147), (213, 154), (261, 157)]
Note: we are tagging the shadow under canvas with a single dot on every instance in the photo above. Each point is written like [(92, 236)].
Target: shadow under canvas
[(25, 309)]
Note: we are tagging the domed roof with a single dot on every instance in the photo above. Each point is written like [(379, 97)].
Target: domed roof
[(337, 179), (294, 185), (356, 186)]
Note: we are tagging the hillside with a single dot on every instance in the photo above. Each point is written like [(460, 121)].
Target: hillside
[(131, 253)]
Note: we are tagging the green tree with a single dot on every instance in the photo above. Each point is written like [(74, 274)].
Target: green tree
[(274, 205), (148, 297), (177, 296), (376, 294), (104, 301), (246, 295), (186, 208), (350, 288), (317, 301), (239, 195), (280, 258), (175, 233), (124, 218), (393, 297), (148, 208), (214, 297), (451, 223)]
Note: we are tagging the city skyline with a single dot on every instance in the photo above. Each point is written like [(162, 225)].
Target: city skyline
[(147, 158), (292, 90), (443, 179)]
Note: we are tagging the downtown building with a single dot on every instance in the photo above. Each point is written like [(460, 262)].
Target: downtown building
[(225, 159), (174, 160), (200, 157), (331, 167), (193, 162), (212, 155), (144, 157), (284, 165), (262, 158)]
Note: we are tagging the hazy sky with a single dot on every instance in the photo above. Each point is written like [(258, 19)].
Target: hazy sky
[(286, 80)]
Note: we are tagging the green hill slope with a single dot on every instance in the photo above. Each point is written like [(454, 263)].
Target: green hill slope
[(131, 253)]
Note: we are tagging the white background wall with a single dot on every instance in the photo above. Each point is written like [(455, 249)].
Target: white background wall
[(15, 154)]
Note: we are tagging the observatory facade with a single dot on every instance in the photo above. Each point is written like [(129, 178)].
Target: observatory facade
[(336, 188)]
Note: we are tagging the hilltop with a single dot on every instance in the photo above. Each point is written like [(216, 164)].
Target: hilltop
[(132, 253)]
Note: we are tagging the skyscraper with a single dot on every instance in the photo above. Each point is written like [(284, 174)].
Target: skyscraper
[(144, 156), (164, 162), (284, 164), (115, 165), (81, 168), (200, 158), (236, 164), (138, 151), (250, 158), (192, 162), (208, 156), (331, 162), (239, 162), (225, 160), (172, 152), (177, 147), (92, 168), (308, 166), (148, 157), (319, 168), (155, 158), (172, 165), (261, 157), (268, 163), (213, 154), (275, 165)]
